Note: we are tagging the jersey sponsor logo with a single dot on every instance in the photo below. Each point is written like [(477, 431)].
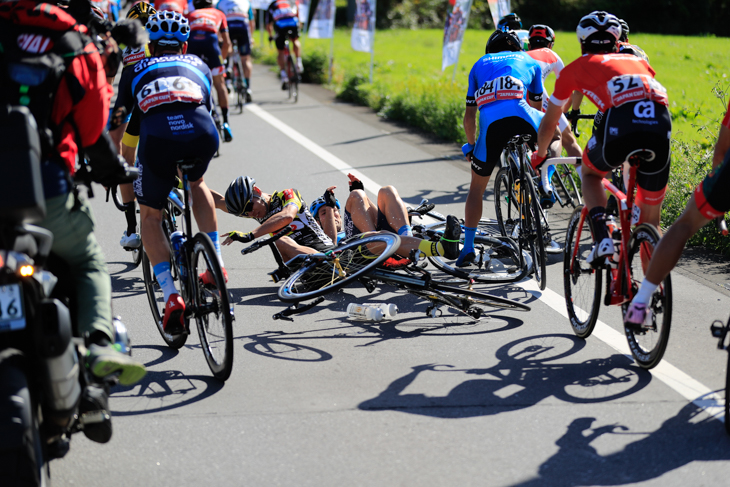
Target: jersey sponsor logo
[(169, 90), (288, 194), (132, 56), (192, 60), (612, 130), (34, 43), (595, 99), (644, 109)]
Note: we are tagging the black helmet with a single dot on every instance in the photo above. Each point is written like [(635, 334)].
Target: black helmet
[(503, 41), (541, 35), (202, 3), (510, 22), (624, 30), (598, 32), (239, 194)]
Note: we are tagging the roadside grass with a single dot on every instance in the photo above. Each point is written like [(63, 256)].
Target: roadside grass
[(409, 86)]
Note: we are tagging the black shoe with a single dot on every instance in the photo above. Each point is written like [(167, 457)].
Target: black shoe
[(284, 85), (95, 415), (451, 238), (248, 95)]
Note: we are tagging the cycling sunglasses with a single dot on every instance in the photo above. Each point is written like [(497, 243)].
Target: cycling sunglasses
[(248, 208)]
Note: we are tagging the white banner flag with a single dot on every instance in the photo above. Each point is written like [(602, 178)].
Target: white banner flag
[(363, 32), (499, 9), (454, 32), (323, 22), (303, 11)]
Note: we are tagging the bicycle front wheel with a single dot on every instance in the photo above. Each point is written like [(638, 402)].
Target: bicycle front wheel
[(581, 282), (497, 261), (213, 313), (532, 231), (156, 299), (324, 273), (648, 345)]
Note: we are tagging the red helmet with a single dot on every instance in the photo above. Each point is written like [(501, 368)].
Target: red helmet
[(541, 31)]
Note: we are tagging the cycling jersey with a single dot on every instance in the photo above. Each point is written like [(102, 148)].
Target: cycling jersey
[(628, 48), (180, 6), (498, 86), (305, 229), (239, 15), (549, 62), (205, 23), (711, 196), (283, 14), (207, 20)]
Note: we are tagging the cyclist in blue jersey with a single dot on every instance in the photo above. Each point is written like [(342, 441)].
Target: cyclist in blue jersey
[(282, 17), (171, 92), (505, 91)]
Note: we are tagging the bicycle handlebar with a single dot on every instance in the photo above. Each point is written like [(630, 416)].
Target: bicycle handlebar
[(266, 241)]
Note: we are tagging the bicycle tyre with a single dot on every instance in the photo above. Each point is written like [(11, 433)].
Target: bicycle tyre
[(582, 302), (478, 273), (535, 239), (291, 69), (318, 277), (648, 346), (215, 336), (727, 395), (481, 298), (156, 299), (505, 202)]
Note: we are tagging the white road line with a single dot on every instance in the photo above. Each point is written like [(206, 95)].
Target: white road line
[(689, 388)]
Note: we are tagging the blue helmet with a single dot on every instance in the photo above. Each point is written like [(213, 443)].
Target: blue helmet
[(319, 203), (168, 28)]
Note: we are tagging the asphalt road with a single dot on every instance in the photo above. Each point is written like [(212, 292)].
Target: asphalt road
[(512, 400)]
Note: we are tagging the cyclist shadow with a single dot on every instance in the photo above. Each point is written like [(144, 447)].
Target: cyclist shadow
[(523, 377), (439, 196), (127, 285), (578, 463), (161, 390)]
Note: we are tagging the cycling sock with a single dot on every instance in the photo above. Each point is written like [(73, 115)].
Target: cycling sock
[(469, 234), (598, 215), (224, 112), (645, 292), (131, 214), (283, 75), (217, 244), (248, 82), (430, 249), (164, 279), (405, 230)]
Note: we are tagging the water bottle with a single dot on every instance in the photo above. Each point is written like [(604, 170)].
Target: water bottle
[(364, 312), (389, 309), (177, 239)]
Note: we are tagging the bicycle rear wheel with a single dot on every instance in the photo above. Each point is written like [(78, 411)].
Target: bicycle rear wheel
[(213, 313), (506, 202), (497, 261), (476, 297), (324, 273), (648, 345), (291, 72), (156, 299), (532, 231), (568, 185), (581, 282), (727, 395)]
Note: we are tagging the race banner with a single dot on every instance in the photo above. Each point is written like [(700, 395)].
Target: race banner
[(363, 32), (322, 25), (499, 8), (454, 32), (303, 6)]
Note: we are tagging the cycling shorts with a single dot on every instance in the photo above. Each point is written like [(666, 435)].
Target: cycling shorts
[(642, 125), (711, 196), (240, 36), (205, 46), (168, 137), (498, 134), (284, 32), (381, 224)]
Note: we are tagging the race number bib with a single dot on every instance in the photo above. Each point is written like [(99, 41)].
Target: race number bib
[(502, 88), (636, 87), (169, 90)]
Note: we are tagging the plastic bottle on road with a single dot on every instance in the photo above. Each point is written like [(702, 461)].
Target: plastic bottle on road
[(389, 309), (364, 312)]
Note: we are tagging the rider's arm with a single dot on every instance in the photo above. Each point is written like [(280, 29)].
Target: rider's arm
[(277, 222), (536, 104), (218, 200), (722, 146), (329, 224), (470, 124), (575, 100)]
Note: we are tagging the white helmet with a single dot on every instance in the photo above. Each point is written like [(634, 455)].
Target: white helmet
[(599, 31)]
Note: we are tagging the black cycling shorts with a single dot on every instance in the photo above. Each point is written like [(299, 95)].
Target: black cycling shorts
[(240, 36), (712, 196), (499, 133), (381, 224), (283, 33), (642, 125), (205, 46)]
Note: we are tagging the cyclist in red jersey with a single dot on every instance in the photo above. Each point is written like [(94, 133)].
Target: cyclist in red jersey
[(709, 201), (206, 24), (636, 119), (179, 6)]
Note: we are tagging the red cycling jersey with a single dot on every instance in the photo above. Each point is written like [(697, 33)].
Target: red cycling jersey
[(609, 80), (208, 20), (726, 120), (179, 6)]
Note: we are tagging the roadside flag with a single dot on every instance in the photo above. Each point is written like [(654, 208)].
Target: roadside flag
[(454, 32), (499, 8), (322, 25), (363, 32)]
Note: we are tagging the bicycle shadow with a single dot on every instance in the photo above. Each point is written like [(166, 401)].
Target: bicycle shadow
[(161, 390), (127, 286), (524, 376), (680, 440), (439, 196)]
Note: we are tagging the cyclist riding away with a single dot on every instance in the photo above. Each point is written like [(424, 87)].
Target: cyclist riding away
[(636, 121), (239, 15), (710, 200), (500, 85), (209, 26), (172, 92), (282, 17)]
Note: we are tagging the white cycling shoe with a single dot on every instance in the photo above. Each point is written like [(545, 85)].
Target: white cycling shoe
[(553, 247), (130, 241), (600, 251)]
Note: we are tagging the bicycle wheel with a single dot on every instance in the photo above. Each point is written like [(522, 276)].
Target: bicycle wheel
[(291, 72), (117, 198), (324, 273), (156, 299), (581, 282), (476, 297), (532, 231), (213, 313), (568, 185), (727, 395), (506, 202), (497, 261), (648, 345)]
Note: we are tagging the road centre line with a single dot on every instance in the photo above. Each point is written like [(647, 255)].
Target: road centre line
[(689, 388)]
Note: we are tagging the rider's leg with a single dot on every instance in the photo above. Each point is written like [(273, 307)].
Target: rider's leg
[(220, 88), (281, 60), (205, 216), (391, 205), (595, 200), (363, 212), (289, 249), (247, 65), (473, 209), (297, 47)]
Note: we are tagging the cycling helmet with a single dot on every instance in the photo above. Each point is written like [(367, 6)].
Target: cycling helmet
[(624, 31), (168, 28), (598, 32), (503, 41), (141, 11), (541, 35), (319, 203), (239, 194), (510, 22), (202, 3)]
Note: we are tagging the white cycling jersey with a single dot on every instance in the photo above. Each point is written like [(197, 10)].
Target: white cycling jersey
[(235, 10)]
